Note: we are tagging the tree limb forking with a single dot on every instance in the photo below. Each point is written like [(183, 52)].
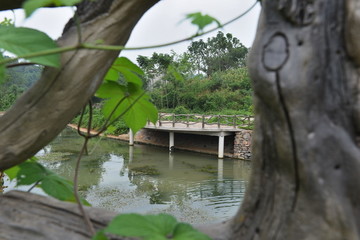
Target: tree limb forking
[(45, 109)]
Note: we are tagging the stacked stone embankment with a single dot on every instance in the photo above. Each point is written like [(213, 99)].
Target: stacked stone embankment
[(242, 145)]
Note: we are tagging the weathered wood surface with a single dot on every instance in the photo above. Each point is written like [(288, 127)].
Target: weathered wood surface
[(30, 216), (305, 181)]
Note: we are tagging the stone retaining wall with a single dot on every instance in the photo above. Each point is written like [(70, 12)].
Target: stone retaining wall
[(237, 146), (242, 145)]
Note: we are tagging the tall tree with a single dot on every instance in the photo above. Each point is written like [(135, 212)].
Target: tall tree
[(217, 53), (155, 66)]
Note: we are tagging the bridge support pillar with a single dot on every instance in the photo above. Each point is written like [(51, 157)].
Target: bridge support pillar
[(171, 141), (131, 138), (221, 146)]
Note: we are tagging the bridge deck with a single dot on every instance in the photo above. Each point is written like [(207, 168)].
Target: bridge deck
[(212, 125), (194, 128)]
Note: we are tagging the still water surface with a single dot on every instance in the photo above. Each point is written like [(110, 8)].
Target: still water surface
[(196, 188)]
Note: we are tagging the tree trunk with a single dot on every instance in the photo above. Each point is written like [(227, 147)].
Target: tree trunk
[(44, 110), (306, 158), (305, 69)]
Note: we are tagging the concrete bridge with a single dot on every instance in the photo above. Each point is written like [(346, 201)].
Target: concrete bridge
[(220, 126), (209, 125)]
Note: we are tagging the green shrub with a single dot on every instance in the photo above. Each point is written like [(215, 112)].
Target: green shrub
[(98, 120), (181, 110)]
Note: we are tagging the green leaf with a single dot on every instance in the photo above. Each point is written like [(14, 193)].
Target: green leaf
[(147, 226), (128, 69), (111, 89), (142, 110), (31, 5), (126, 63), (22, 41), (165, 223), (12, 172), (131, 225), (131, 102), (134, 89), (130, 76), (59, 188), (184, 231), (202, 20), (30, 173), (100, 235), (136, 111), (112, 75)]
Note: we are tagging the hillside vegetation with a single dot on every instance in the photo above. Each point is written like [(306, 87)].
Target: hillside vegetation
[(211, 77)]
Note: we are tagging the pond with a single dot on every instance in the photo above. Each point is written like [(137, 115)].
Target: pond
[(195, 188)]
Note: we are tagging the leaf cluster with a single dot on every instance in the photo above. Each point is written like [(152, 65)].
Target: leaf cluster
[(201, 21), (33, 173), (150, 227), (24, 41), (124, 96)]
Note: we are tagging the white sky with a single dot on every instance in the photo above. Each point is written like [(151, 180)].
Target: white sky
[(161, 24)]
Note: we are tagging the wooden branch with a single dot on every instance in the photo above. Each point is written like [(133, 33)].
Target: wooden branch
[(44, 110), (31, 216), (10, 4)]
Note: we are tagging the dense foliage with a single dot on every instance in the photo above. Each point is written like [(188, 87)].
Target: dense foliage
[(218, 53), (227, 92), (17, 80), (98, 121), (211, 77)]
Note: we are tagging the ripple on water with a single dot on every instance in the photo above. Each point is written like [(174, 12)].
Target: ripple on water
[(195, 188)]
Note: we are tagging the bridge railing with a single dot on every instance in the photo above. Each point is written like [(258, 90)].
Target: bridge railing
[(205, 121)]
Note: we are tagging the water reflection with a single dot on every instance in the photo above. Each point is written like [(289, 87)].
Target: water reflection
[(131, 153), (220, 169), (171, 160), (196, 188)]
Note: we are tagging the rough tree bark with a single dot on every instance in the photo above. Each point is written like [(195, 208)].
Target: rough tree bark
[(305, 70), (305, 66)]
